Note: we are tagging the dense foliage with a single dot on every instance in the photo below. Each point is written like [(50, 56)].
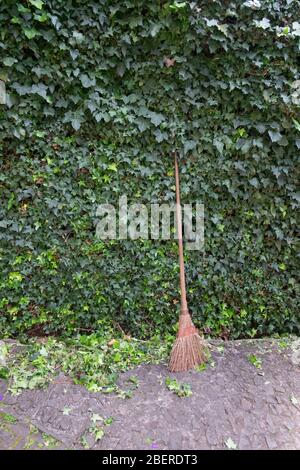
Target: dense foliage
[(99, 93)]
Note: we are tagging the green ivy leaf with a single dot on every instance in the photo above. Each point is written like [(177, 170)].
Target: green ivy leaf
[(156, 118), (219, 145), (86, 81), (296, 124), (177, 5), (37, 3), (31, 33), (9, 61), (230, 444), (22, 8), (275, 136), (264, 23)]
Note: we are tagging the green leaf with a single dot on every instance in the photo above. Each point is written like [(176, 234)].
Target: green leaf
[(96, 417), (9, 61), (275, 136), (177, 5), (15, 276), (223, 28), (31, 33), (78, 36), (296, 28), (22, 8), (230, 444), (98, 433), (255, 361), (296, 124), (37, 3), (201, 367), (219, 145), (40, 89), (86, 81), (264, 23), (11, 201), (15, 20), (156, 118), (211, 22), (160, 136), (41, 18), (189, 145), (112, 167), (142, 124), (294, 400), (66, 410), (155, 28)]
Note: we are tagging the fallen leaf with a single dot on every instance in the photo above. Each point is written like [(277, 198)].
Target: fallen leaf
[(96, 418), (66, 410), (294, 400), (230, 444)]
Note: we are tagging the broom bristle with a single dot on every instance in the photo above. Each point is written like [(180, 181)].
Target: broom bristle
[(189, 349)]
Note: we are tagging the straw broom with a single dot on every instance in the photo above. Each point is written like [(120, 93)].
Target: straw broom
[(189, 348)]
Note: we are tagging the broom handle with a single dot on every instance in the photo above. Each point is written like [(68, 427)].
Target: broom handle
[(184, 307)]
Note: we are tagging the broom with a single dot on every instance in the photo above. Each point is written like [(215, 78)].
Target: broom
[(189, 349)]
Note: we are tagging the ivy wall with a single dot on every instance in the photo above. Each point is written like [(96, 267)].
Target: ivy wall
[(99, 95)]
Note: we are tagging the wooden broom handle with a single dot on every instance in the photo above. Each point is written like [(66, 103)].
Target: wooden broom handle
[(184, 307)]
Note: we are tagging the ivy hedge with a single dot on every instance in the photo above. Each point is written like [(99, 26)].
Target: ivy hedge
[(99, 95)]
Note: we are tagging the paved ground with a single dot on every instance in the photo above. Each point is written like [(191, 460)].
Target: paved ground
[(248, 398)]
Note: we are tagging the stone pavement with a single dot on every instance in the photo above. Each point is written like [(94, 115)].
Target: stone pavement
[(247, 398)]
